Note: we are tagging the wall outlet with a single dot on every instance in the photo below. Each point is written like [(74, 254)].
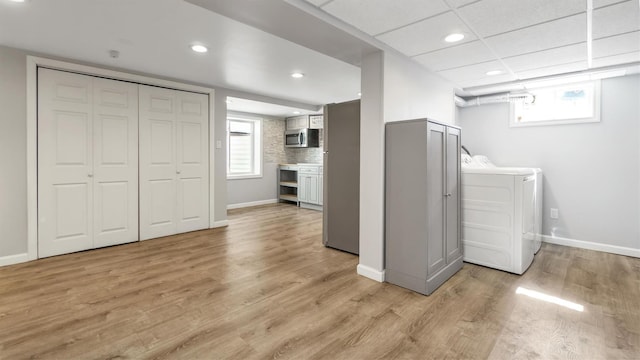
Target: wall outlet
[(554, 213)]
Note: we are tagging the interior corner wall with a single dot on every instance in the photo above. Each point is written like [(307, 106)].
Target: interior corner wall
[(371, 228), (591, 171), (412, 92), (220, 161), (13, 152)]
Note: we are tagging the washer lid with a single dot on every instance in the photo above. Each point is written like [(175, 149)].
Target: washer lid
[(500, 170)]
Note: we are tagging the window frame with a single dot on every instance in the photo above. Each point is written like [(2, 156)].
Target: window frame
[(585, 120), (258, 142)]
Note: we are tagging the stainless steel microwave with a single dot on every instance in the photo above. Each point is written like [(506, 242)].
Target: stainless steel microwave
[(302, 138)]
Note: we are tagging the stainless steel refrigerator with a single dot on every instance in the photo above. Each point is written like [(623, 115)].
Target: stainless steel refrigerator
[(341, 183)]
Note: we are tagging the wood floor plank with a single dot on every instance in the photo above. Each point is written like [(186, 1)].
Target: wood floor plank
[(266, 288)]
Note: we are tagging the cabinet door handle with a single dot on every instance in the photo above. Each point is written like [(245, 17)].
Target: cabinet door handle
[(447, 195), (90, 175), (177, 171)]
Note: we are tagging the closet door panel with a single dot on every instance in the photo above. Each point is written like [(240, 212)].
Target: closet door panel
[(157, 162), (116, 162), (193, 161), (65, 161)]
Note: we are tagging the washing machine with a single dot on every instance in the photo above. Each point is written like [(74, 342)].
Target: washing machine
[(501, 214)]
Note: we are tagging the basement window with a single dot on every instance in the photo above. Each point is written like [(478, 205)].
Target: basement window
[(244, 152), (558, 105)]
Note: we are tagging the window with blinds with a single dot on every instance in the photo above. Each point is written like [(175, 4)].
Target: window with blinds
[(244, 147)]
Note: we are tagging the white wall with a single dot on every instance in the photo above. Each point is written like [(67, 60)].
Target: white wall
[(13, 156), (262, 189), (411, 92), (393, 89), (592, 171)]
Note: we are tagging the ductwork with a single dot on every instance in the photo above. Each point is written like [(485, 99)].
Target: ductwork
[(493, 99)]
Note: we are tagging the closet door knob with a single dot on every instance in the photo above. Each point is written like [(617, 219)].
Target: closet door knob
[(447, 195), (90, 175), (177, 171)]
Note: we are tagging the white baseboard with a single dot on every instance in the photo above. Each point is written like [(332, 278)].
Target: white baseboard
[(619, 250), (221, 223), (370, 273), (14, 259), (252, 203)]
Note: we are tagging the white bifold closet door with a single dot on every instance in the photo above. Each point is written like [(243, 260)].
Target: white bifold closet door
[(174, 162), (87, 162)]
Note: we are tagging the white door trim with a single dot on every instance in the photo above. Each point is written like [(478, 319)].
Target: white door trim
[(33, 62)]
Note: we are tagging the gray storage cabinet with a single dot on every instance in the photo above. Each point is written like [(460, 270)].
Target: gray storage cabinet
[(422, 194)]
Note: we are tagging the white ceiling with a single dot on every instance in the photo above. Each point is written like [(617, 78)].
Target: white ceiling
[(523, 39), (264, 108), (153, 37)]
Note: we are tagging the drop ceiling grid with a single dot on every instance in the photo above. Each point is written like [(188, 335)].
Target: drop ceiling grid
[(426, 35), (453, 57), (520, 38), (616, 19), (378, 16), (493, 17)]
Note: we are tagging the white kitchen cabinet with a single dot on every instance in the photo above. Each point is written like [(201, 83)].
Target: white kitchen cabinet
[(316, 121), (297, 122), (422, 198), (310, 186)]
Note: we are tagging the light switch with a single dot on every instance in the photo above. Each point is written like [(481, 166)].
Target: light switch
[(218, 144), (554, 213)]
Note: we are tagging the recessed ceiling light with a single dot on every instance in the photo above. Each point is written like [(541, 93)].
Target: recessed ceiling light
[(359, 94), (455, 37), (199, 48), (18, 1), (296, 112), (297, 75), (494, 72)]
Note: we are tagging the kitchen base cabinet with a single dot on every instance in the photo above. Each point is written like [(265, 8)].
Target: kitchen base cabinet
[(422, 199), (310, 186)]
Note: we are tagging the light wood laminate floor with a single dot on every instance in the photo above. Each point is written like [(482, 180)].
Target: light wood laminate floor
[(266, 288)]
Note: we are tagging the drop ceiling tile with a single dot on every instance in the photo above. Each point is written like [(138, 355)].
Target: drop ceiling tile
[(460, 3), (617, 59), (615, 45), (455, 56), (317, 2), (377, 16), (562, 32), (601, 3), (552, 70), (487, 80), (616, 19), (545, 58), (465, 74), (491, 17), (426, 35)]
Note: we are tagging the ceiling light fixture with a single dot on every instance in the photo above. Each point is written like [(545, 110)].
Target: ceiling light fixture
[(297, 75), (494, 72), (296, 112), (199, 48), (455, 37), (18, 1), (359, 94)]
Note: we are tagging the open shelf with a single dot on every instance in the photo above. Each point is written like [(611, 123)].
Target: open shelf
[(289, 183), (289, 197)]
